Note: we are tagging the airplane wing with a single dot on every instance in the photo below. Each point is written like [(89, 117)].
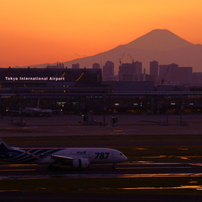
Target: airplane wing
[(62, 158), (74, 162), (59, 157)]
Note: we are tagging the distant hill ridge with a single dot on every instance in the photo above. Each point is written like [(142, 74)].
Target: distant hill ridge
[(159, 40), (160, 44)]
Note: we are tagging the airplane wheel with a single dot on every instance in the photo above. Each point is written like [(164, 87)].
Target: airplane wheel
[(114, 166), (51, 167)]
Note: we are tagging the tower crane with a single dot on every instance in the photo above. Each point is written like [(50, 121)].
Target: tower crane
[(164, 77), (131, 57), (120, 59)]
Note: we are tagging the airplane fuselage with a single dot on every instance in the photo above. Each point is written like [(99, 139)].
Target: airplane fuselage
[(74, 157), (95, 155)]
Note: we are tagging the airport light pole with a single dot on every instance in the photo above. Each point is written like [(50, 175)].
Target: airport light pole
[(166, 123), (181, 109), (145, 103), (9, 109), (21, 115), (104, 109)]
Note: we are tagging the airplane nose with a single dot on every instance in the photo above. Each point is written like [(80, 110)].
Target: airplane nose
[(125, 158)]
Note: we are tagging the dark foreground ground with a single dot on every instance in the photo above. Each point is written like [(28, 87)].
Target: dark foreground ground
[(32, 197), (69, 125)]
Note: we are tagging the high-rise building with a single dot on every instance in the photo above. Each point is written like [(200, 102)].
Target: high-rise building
[(96, 66), (108, 71), (197, 78), (138, 67), (127, 72), (168, 73), (185, 75), (58, 65), (154, 70), (130, 71), (75, 66)]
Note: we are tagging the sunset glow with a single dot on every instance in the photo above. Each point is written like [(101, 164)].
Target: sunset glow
[(48, 31)]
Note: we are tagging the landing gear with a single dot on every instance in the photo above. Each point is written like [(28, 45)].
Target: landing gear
[(114, 166), (53, 166)]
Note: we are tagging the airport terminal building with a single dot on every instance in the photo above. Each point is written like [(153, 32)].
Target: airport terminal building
[(82, 90)]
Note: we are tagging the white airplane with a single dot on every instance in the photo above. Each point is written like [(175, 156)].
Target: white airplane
[(78, 158), (37, 111), (31, 111), (34, 111)]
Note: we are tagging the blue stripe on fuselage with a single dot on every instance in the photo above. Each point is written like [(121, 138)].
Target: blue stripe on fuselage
[(26, 155)]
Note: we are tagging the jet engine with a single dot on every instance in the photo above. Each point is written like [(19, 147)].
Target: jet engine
[(80, 163)]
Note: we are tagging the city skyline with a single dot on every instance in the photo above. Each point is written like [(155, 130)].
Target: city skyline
[(37, 32)]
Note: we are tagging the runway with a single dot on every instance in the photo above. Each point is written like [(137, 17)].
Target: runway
[(125, 170), (137, 172), (149, 178), (143, 179)]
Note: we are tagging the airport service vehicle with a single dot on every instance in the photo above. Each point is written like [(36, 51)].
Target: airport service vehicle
[(78, 158)]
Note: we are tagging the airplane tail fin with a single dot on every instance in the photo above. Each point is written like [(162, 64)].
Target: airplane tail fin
[(3, 146)]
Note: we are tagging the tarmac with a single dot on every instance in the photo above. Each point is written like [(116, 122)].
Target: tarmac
[(127, 124)]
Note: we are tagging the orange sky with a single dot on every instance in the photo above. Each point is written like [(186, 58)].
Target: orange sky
[(48, 31)]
